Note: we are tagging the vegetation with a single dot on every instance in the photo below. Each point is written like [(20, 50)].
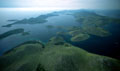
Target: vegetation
[(92, 19), (56, 41), (80, 37), (11, 32), (98, 31), (12, 20), (25, 33), (91, 24), (61, 33), (8, 25), (61, 57), (37, 20), (50, 26), (84, 32), (60, 27)]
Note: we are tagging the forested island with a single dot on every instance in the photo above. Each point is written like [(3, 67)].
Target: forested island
[(91, 24), (12, 20), (12, 32), (56, 55), (38, 20)]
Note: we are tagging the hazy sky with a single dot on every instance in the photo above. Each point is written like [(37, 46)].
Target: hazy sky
[(89, 4)]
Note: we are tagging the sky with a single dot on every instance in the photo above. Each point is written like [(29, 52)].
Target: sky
[(73, 4)]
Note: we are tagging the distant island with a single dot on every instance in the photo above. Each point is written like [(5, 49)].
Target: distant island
[(12, 20), (12, 32), (37, 20)]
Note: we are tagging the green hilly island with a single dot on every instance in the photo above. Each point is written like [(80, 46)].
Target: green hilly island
[(56, 55)]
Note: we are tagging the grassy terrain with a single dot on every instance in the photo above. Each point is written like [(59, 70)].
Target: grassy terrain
[(93, 19), (90, 24), (11, 32), (56, 55)]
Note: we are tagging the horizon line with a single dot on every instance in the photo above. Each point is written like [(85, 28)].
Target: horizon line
[(51, 8)]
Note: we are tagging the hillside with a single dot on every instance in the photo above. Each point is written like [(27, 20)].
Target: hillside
[(56, 55)]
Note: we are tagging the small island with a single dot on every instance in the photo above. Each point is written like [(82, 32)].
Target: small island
[(12, 20), (11, 32), (98, 31), (25, 33), (49, 26), (84, 32), (80, 37)]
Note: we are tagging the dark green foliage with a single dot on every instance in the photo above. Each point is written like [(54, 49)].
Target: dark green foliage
[(11, 32), (91, 24), (22, 57), (25, 33), (40, 68), (37, 20), (28, 42), (93, 19), (61, 57), (9, 25), (12, 20), (50, 26)]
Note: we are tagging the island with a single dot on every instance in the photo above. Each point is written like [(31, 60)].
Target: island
[(49, 26), (83, 33), (11, 32), (38, 20), (90, 24), (92, 19), (26, 33), (98, 31), (80, 37), (55, 56), (12, 20)]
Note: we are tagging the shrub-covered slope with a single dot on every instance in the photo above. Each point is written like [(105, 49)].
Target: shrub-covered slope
[(56, 55)]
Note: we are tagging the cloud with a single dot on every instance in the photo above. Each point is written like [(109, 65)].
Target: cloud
[(89, 4)]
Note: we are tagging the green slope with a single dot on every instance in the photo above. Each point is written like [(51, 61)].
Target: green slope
[(56, 55)]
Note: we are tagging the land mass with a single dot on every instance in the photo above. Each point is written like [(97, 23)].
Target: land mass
[(12, 20), (90, 24), (12, 32), (56, 55), (37, 20)]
